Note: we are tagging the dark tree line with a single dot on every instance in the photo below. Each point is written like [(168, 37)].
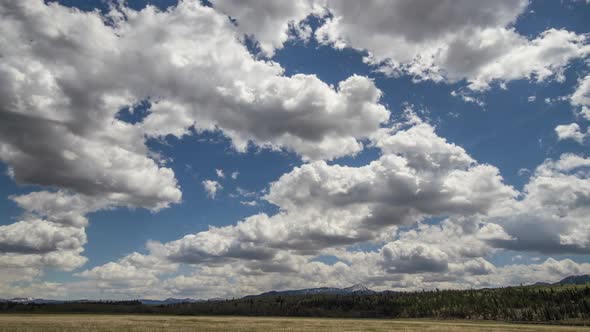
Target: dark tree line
[(533, 304)]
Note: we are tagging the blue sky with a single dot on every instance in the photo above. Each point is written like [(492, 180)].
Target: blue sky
[(510, 125)]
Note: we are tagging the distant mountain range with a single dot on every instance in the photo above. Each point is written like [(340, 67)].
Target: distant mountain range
[(575, 280), (143, 301), (169, 300), (358, 289), (571, 280), (32, 300)]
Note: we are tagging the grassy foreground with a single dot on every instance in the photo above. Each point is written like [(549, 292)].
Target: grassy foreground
[(143, 323)]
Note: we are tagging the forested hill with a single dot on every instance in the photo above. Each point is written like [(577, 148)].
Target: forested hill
[(553, 303), (575, 280)]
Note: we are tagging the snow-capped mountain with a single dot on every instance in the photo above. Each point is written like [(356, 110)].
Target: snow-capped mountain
[(355, 289)]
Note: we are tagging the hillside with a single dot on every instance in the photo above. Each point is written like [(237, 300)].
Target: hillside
[(554, 303), (355, 289), (575, 280)]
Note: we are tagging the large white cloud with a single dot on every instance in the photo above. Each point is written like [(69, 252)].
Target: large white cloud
[(413, 257), (552, 216), (419, 266), (270, 23), (28, 246), (52, 87), (65, 75), (60, 94), (326, 208), (133, 274), (450, 40), (247, 99), (581, 98), (418, 174), (59, 206), (436, 40), (38, 236)]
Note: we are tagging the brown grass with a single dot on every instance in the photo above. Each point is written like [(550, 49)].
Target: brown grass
[(145, 323)]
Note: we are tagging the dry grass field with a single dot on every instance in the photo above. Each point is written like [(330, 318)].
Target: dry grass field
[(145, 323)]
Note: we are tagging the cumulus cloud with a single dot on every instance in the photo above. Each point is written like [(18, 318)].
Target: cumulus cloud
[(271, 24), (211, 187), (242, 277), (50, 234), (300, 113), (47, 290), (418, 174), (73, 142), (552, 216), (322, 206), (581, 98), (66, 74), (328, 209), (450, 40), (28, 246), (571, 131), (60, 206), (71, 104), (325, 208), (133, 274), (434, 40), (401, 257), (60, 259), (38, 236)]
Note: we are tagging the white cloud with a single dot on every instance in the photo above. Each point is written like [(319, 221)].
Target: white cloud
[(219, 173), (135, 274), (38, 236), (550, 270), (60, 206), (468, 98), (211, 187), (524, 172), (73, 102), (571, 131), (324, 208), (551, 217), (581, 98), (444, 40), (300, 113), (402, 257), (66, 260), (270, 23), (327, 209), (47, 290), (65, 75), (450, 40), (234, 175), (249, 203), (291, 272)]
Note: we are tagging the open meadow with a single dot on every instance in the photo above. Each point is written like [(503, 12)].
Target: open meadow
[(144, 323)]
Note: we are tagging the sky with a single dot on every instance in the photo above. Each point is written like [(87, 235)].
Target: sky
[(225, 148)]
